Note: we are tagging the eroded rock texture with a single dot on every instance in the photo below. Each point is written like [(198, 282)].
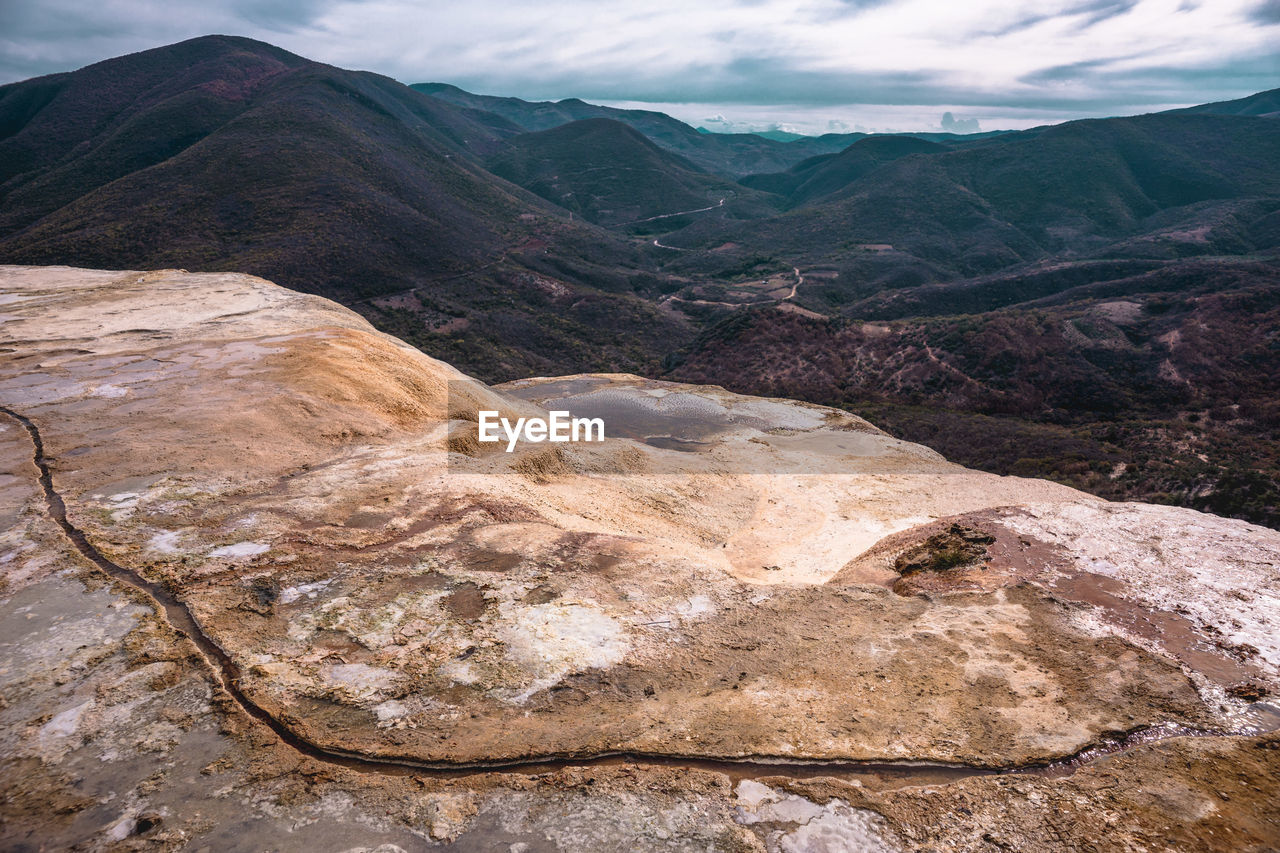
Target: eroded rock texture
[(725, 577)]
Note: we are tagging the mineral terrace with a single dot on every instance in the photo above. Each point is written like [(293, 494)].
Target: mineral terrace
[(738, 624)]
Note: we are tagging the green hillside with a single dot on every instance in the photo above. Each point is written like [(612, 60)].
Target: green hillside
[(812, 179), (1157, 185), (610, 174)]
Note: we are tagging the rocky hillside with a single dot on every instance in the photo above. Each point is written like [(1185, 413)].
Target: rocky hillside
[(322, 590)]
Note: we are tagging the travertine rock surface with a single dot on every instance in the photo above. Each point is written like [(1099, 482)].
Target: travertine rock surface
[(720, 579)]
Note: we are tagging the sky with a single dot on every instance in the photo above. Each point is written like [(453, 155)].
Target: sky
[(807, 65)]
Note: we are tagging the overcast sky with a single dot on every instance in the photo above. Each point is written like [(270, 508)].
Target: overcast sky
[(808, 61)]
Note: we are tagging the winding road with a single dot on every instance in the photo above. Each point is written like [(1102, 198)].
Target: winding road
[(796, 286), (792, 295), (677, 213), (665, 246)]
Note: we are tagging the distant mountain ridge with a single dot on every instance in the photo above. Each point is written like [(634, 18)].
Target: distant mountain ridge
[(1160, 185), (729, 154), (1261, 104), (611, 174)]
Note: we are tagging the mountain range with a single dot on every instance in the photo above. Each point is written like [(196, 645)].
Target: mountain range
[(222, 153), (1095, 301)]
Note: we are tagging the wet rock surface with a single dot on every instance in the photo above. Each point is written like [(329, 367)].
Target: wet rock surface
[(795, 587)]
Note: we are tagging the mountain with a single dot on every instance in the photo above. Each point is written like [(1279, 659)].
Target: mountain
[(544, 115), (66, 134), (224, 153), (609, 173), (1149, 186), (1264, 104), (825, 174), (728, 154), (779, 135)]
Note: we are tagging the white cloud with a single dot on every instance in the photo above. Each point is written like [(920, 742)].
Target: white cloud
[(1065, 52)]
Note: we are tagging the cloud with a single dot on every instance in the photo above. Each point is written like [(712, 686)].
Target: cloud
[(951, 124), (1267, 12), (1074, 55), (1096, 11), (282, 15)]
